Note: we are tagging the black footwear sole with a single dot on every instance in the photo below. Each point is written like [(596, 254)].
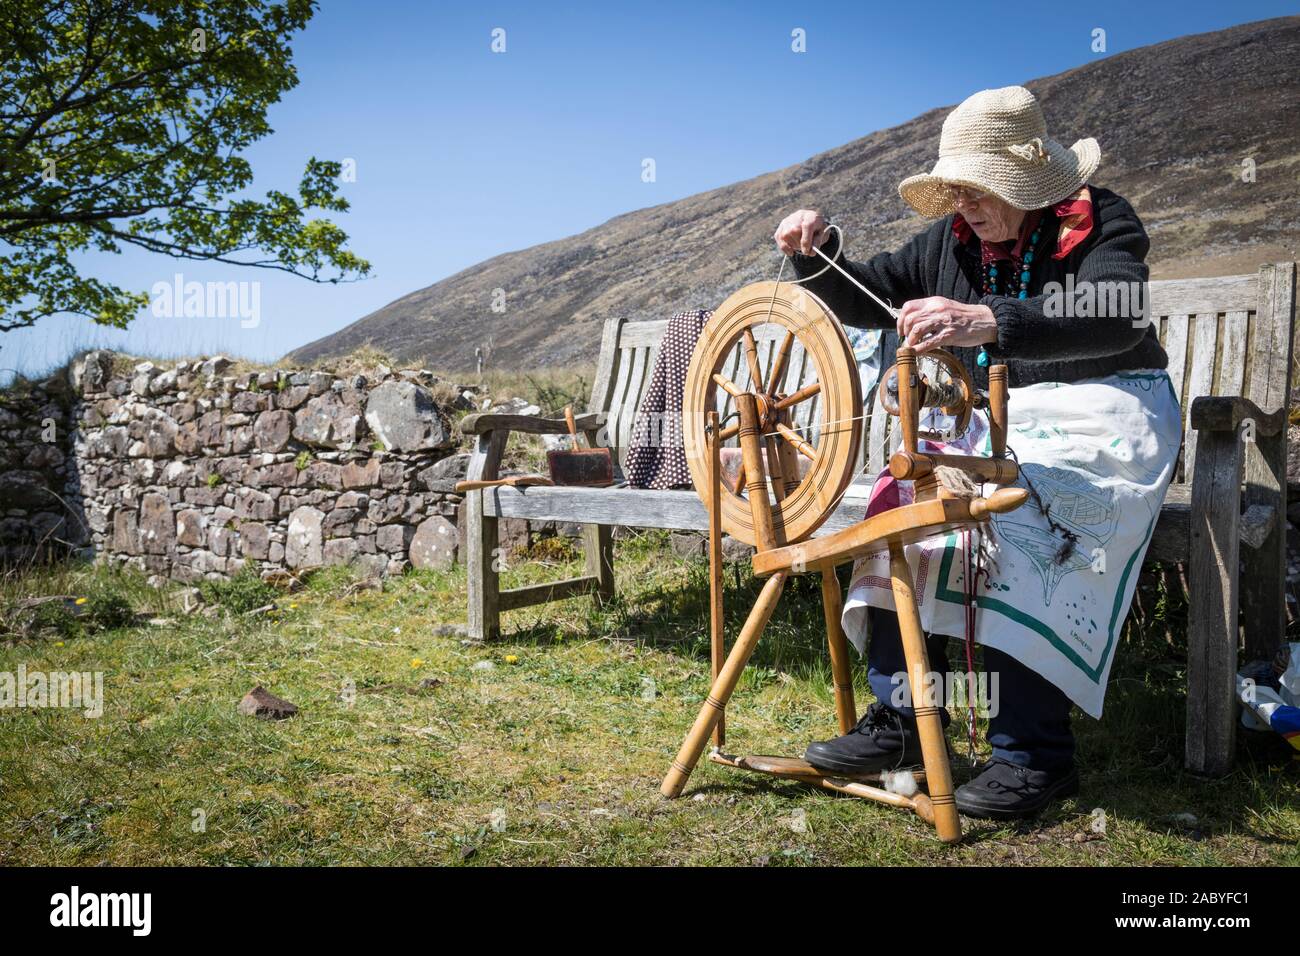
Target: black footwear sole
[(830, 764), (1067, 786)]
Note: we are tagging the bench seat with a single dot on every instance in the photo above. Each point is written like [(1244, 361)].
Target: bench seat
[(683, 511)]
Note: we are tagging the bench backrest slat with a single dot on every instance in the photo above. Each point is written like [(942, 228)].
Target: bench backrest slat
[(1229, 335)]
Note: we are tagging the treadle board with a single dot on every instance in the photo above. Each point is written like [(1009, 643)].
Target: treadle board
[(793, 769), (796, 769)]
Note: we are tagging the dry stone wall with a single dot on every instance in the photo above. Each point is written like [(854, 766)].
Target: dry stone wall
[(189, 470), (37, 521)]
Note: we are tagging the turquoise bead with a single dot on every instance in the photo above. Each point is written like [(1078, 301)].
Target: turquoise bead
[(993, 270), (1029, 257), (982, 360), (1024, 276), (1024, 294)]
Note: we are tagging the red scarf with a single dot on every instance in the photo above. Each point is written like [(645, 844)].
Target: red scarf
[(1074, 213)]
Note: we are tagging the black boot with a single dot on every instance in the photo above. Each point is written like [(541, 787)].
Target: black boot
[(1004, 791), (883, 739)]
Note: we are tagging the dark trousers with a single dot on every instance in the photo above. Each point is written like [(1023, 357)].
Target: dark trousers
[(1032, 725)]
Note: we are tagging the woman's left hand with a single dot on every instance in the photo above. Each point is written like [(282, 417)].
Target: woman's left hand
[(937, 322)]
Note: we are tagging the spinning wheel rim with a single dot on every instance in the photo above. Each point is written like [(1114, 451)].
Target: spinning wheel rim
[(816, 329)]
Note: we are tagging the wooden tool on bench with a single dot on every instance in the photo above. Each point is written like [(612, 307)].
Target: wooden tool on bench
[(778, 512), (588, 467), (512, 481)]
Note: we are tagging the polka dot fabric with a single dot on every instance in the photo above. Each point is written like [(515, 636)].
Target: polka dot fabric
[(655, 456)]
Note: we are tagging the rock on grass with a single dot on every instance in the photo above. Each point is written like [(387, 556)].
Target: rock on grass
[(260, 702)]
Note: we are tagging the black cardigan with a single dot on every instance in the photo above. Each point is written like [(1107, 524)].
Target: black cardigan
[(1036, 347)]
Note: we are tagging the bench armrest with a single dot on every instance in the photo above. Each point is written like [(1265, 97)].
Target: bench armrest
[(1225, 413), (484, 422)]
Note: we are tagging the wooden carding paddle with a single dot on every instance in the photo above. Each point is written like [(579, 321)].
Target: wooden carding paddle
[(588, 467), (514, 481)]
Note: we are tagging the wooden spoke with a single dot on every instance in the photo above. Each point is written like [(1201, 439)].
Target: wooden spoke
[(793, 437), (794, 398), (778, 365), (789, 458), (739, 486), (751, 357), (775, 471), (727, 385), (731, 431)]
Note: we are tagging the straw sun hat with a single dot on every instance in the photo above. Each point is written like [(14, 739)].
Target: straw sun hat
[(996, 141)]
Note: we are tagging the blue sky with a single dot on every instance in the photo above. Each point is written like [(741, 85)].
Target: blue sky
[(462, 154)]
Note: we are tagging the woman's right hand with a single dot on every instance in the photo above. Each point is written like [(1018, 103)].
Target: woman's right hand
[(802, 232)]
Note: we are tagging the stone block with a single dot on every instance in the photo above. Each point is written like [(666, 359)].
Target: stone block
[(405, 417), (157, 524), (434, 544), (304, 541)]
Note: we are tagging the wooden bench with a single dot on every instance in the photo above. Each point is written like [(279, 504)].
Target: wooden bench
[(1230, 347)]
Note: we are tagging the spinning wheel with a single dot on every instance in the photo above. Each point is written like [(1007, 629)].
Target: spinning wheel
[(778, 516), (799, 501)]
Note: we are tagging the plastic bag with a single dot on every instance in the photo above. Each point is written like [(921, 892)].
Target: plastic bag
[(1270, 695)]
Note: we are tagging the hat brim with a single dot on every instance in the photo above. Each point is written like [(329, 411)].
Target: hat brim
[(1017, 181)]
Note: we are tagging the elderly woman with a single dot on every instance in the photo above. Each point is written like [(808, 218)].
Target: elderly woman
[(1020, 269)]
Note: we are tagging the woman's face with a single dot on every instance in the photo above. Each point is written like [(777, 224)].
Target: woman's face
[(992, 219)]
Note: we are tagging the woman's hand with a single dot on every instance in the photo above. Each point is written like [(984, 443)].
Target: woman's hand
[(937, 322), (802, 232)]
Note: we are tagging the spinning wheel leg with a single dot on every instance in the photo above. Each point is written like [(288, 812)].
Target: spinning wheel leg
[(723, 687), (725, 683), (717, 637), (841, 672), (934, 749)]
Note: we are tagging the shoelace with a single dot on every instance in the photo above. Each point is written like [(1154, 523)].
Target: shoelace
[(879, 719), (1022, 774), (875, 720)]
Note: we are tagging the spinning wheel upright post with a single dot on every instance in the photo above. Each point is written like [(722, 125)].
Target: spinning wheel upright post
[(725, 681), (784, 502)]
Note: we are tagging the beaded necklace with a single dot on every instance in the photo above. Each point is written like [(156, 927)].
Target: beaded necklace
[(995, 282)]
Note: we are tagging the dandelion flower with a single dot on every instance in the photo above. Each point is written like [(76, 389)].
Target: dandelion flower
[(81, 600), (512, 658), (58, 643), (416, 662)]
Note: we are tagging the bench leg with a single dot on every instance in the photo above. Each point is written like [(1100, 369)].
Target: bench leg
[(598, 545), (1263, 574), (481, 556), (1263, 586), (1212, 613)]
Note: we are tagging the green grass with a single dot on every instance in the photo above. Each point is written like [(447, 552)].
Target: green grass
[(552, 756)]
